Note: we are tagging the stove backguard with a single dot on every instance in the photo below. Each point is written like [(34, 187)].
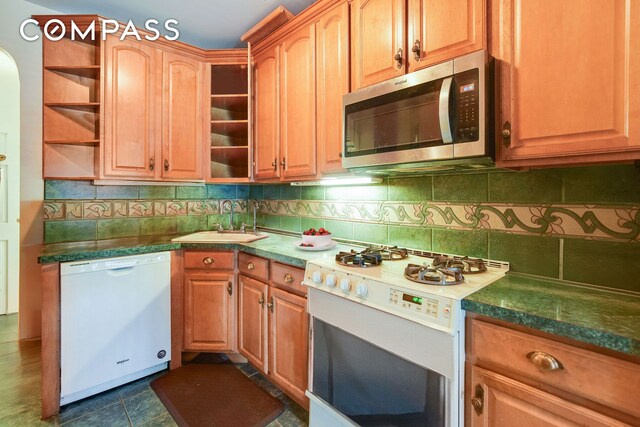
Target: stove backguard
[(372, 386)]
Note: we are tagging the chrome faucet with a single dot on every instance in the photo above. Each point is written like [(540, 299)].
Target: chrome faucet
[(230, 204)]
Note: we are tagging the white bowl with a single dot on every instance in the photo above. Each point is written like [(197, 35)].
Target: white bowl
[(317, 240)]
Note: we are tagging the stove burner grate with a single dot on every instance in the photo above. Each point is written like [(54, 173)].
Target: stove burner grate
[(441, 276), (465, 264), (359, 259), (388, 253)]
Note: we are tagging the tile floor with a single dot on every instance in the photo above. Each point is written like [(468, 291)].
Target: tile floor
[(134, 404)]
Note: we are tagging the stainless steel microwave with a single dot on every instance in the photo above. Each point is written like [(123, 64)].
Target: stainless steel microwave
[(429, 120)]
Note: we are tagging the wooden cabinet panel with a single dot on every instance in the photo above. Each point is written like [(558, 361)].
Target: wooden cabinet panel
[(253, 266), (442, 30), (509, 402), (208, 260), (607, 380), (298, 104), (130, 115), (332, 74), (252, 321), (377, 35), (209, 312), (289, 343), (182, 117), (267, 115), (568, 74)]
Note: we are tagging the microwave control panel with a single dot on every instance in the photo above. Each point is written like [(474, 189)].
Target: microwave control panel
[(467, 87)]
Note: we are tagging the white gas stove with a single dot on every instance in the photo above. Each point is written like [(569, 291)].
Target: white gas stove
[(387, 350)]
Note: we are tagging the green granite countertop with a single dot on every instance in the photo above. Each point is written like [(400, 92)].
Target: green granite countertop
[(604, 318), (277, 246)]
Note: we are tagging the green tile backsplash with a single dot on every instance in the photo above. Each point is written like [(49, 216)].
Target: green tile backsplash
[(559, 223)]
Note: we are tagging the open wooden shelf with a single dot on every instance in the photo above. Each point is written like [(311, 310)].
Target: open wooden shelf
[(91, 71), (88, 142), (71, 104)]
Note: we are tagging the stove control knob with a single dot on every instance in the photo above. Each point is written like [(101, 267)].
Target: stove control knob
[(317, 277), (345, 285), (362, 290), (330, 280)]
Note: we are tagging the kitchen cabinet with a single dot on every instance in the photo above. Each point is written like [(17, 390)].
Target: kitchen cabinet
[(383, 46), (285, 132), (568, 72), (154, 126), (332, 82), (521, 377), (274, 324), (209, 301)]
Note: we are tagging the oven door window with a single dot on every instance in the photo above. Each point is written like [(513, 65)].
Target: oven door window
[(401, 120), (372, 386)]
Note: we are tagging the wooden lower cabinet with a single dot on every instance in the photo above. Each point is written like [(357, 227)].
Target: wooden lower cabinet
[(288, 342), (507, 402), (252, 321), (209, 311)]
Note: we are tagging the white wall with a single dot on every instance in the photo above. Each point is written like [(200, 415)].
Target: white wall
[(28, 57)]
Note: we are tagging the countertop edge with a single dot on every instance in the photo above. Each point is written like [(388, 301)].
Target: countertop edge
[(556, 327)]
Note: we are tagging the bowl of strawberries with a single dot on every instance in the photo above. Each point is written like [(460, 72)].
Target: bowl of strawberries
[(316, 238)]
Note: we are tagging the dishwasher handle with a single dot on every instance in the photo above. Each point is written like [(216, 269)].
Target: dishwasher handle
[(120, 271)]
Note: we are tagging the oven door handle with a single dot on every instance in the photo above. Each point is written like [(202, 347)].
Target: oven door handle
[(443, 110)]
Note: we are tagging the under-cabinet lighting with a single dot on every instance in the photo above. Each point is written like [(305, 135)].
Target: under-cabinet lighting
[(361, 180)]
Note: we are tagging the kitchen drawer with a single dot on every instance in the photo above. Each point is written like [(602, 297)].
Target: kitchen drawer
[(253, 266), (597, 377), (208, 260), (288, 278)]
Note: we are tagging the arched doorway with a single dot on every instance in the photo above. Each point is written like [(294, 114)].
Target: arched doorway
[(9, 183)]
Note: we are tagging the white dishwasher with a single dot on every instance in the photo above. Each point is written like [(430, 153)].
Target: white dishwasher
[(115, 321)]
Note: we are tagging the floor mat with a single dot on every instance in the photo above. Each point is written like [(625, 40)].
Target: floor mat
[(213, 392)]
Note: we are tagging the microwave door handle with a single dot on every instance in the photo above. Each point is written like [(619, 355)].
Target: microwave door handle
[(445, 122)]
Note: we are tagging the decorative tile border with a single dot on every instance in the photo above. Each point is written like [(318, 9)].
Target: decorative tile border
[(107, 209), (558, 220)]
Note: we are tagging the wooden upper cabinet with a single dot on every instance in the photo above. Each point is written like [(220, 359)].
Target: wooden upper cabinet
[(378, 34), (569, 81), (332, 74), (441, 30), (130, 115), (267, 114), (182, 117), (298, 104)]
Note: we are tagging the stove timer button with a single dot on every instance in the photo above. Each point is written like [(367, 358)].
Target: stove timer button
[(362, 290), (316, 276), (447, 312), (345, 285), (330, 280)]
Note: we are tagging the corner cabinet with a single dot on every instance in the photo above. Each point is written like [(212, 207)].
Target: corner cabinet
[(569, 75), (383, 46), (520, 377), (285, 109), (154, 127)]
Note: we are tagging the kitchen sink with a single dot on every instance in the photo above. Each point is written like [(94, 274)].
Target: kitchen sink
[(218, 237)]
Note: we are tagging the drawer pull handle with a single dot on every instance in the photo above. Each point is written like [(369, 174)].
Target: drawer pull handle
[(544, 361), (478, 400), (270, 305), (261, 300), (207, 260), (288, 278), (230, 288), (250, 266)]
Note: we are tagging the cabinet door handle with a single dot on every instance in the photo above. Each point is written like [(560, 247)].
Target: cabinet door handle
[(544, 361), (166, 165), (340, 154), (398, 58), (208, 260), (275, 164), (230, 288), (478, 400), (250, 266), (261, 300), (416, 50), (270, 305), (152, 164), (283, 163), (506, 134), (288, 278)]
